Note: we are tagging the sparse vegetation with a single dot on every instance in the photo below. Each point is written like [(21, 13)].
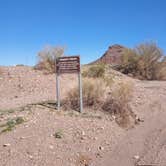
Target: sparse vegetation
[(93, 93), (58, 134), (146, 61), (95, 71), (47, 58), (11, 123), (118, 98), (117, 103), (96, 96)]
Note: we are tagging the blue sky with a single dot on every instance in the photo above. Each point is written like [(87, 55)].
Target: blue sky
[(84, 27)]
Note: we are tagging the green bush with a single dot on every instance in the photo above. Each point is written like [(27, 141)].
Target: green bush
[(95, 71), (146, 61)]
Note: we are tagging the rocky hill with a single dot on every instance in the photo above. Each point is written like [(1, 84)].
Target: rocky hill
[(112, 55)]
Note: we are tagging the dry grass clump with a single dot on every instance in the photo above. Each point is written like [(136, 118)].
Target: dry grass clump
[(95, 71), (146, 61), (118, 98), (47, 59), (117, 103), (98, 95), (93, 94)]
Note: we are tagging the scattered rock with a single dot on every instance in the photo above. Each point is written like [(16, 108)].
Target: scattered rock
[(136, 157), (95, 138), (30, 156), (102, 128), (5, 145), (83, 133), (113, 117), (51, 147), (101, 148), (98, 155)]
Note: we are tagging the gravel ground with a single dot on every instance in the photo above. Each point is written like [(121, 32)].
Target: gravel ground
[(48, 138)]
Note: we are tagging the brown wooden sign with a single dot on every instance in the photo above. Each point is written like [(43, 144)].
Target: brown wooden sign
[(70, 64)]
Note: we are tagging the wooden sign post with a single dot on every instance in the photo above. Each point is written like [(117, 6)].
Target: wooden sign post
[(70, 64)]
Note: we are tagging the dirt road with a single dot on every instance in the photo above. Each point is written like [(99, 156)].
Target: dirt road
[(145, 145)]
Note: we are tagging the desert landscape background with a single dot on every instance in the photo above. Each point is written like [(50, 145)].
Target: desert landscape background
[(123, 122)]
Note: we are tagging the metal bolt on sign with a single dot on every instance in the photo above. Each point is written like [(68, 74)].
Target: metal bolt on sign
[(69, 65)]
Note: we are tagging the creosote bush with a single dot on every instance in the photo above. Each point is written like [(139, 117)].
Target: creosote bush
[(47, 59), (93, 94), (95, 71), (146, 61)]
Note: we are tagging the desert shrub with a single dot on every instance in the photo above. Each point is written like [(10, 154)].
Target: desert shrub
[(47, 58), (161, 71), (146, 61), (118, 98), (129, 62), (94, 71), (97, 95), (117, 103), (93, 94)]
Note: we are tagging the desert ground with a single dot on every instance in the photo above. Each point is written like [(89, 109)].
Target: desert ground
[(67, 138)]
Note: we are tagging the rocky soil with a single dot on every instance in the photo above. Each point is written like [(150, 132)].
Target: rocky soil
[(66, 138)]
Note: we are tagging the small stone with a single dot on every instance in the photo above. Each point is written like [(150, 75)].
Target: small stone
[(101, 148), (51, 147), (95, 138), (5, 145), (83, 133), (98, 155), (82, 138), (102, 128), (89, 149), (113, 117), (136, 157), (107, 143), (30, 156)]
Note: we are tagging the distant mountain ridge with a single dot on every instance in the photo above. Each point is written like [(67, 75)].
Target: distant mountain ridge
[(112, 55)]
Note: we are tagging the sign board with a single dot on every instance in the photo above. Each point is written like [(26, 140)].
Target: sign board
[(68, 64)]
